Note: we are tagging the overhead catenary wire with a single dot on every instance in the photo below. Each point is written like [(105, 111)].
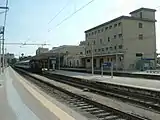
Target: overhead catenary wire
[(61, 10), (71, 15)]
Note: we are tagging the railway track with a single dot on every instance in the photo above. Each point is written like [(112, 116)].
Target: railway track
[(142, 98), (99, 111)]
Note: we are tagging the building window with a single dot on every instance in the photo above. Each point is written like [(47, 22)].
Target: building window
[(111, 59), (102, 49), (115, 47), (115, 25), (110, 26), (88, 43), (119, 24), (120, 35), (86, 35), (77, 62), (120, 46), (88, 60), (101, 41), (140, 36), (115, 36), (108, 39), (102, 30), (94, 42), (95, 50), (89, 34), (89, 51), (140, 25), (106, 28), (106, 48), (99, 50), (98, 31), (95, 32), (120, 58), (66, 52), (107, 59), (81, 53), (110, 48), (140, 14), (92, 33)]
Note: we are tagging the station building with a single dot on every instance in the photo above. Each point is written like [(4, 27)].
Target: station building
[(129, 42), (41, 50), (71, 55)]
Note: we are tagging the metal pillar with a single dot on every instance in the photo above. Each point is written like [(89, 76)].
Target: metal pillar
[(116, 58), (5, 58), (102, 70), (59, 59), (48, 64), (155, 61), (92, 61), (112, 70), (5, 18), (116, 61)]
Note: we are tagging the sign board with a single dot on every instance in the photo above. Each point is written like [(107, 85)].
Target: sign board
[(108, 64), (52, 58), (148, 59), (139, 54), (53, 62)]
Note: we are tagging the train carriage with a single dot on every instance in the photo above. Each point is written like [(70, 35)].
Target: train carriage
[(30, 65)]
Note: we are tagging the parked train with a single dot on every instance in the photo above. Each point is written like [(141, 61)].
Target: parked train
[(30, 65)]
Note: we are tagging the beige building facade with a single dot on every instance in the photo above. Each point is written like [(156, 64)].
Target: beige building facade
[(122, 39), (72, 55), (41, 50)]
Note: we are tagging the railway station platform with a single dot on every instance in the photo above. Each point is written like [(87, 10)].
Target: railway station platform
[(148, 72), (151, 84), (21, 100)]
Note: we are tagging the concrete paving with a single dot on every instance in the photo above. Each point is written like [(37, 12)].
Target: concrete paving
[(6, 112), (20, 101), (133, 82)]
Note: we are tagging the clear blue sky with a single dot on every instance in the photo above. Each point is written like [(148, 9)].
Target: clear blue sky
[(27, 20)]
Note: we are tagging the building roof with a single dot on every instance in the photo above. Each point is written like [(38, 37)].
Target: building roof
[(140, 9), (119, 18), (63, 46), (43, 56)]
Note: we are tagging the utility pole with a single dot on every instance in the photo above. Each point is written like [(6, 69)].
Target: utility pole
[(5, 18), (92, 54), (3, 52), (5, 58)]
